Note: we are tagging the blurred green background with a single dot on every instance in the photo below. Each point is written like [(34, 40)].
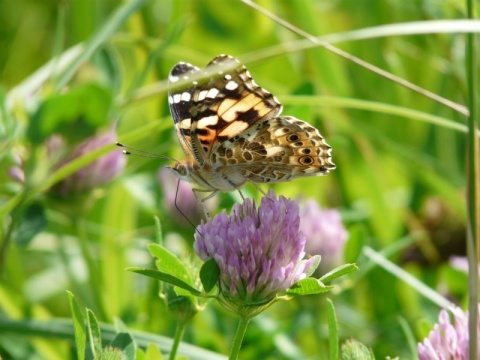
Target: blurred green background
[(399, 182)]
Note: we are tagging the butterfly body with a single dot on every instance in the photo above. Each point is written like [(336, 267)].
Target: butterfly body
[(207, 177), (231, 130)]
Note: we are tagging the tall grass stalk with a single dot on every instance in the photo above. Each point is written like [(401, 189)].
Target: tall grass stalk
[(366, 65), (473, 193)]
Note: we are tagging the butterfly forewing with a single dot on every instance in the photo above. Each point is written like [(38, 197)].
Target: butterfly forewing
[(180, 100), (229, 103)]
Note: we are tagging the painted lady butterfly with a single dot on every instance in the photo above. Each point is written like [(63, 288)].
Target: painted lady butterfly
[(231, 131)]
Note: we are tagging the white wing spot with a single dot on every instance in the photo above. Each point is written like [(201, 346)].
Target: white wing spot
[(228, 77), (209, 120), (185, 123), (195, 82), (186, 96), (212, 93), (173, 78), (202, 95), (185, 77), (248, 73), (231, 85), (170, 99), (176, 98), (271, 151)]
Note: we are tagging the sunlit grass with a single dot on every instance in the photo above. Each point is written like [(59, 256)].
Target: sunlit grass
[(396, 152)]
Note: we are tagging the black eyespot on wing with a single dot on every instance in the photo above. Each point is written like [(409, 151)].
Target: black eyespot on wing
[(293, 138), (305, 160)]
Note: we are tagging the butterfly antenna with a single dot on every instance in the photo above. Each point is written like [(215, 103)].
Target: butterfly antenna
[(142, 153)]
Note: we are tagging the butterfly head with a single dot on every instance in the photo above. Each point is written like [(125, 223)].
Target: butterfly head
[(181, 170)]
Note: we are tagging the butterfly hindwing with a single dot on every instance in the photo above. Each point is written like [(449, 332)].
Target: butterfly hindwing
[(276, 150)]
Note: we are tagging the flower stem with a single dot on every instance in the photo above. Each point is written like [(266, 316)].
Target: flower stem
[(237, 342), (179, 331)]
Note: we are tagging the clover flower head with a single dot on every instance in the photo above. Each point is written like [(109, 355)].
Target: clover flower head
[(99, 172), (259, 251), (325, 233), (447, 341)]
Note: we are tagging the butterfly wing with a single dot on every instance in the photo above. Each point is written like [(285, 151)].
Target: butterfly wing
[(228, 103), (180, 101), (220, 103), (275, 150)]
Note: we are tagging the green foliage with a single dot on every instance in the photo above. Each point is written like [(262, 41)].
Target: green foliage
[(332, 331), (77, 114), (168, 278), (170, 264), (80, 68), (209, 274), (339, 271), (79, 326), (94, 334), (34, 222)]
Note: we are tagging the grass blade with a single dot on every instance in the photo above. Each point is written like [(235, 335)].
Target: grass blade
[(407, 278), (473, 187), (104, 33), (78, 326), (332, 330)]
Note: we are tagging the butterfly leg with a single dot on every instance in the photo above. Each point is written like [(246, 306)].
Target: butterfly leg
[(241, 194), (178, 207), (203, 200)]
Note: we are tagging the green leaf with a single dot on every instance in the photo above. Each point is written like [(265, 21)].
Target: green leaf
[(32, 222), (456, 280), (77, 113), (308, 286), (120, 326), (94, 334), (78, 326), (153, 352), (140, 355), (314, 266), (332, 330), (158, 231), (159, 275), (125, 343), (339, 271), (170, 264), (209, 274)]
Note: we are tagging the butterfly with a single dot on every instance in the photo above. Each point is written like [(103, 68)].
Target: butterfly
[(231, 130)]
